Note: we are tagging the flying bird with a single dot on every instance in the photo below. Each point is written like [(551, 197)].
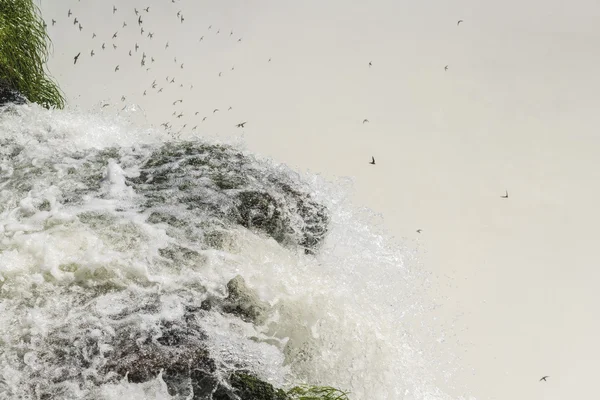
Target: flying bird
[(167, 45), (446, 68), (75, 21), (93, 35), (144, 92), (114, 46), (69, 13), (147, 9), (80, 27), (203, 119), (459, 21), (136, 11), (140, 20), (129, 53), (76, 58), (116, 68), (136, 47), (241, 125), (150, 35), (114, 9), (124, 24), (230, 108), (506, 195), (419, 230), (92, 53), (53, 22), (103, 45), (365, 120), (373, 160), (115, 35), (215, 110), (370, 64), (543, 378)]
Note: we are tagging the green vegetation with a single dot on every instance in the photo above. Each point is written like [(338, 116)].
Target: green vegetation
[(249, 387), (23, 53), (316, 393)]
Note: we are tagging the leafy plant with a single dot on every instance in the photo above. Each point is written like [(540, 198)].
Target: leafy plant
[(24, 50)]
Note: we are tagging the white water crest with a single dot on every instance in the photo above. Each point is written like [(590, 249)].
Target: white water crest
[(96, 256)]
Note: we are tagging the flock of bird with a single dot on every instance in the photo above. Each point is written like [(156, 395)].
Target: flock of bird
[(135, 49), (137, 17)]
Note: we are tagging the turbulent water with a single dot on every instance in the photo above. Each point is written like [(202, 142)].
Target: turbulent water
[(117, 247)]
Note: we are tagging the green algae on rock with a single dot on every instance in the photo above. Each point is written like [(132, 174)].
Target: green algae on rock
[(24, 48)]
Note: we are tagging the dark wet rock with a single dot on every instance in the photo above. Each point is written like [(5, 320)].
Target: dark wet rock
[(178, 352), (218, 182), (248, 387), (9, 95), (244, 302)]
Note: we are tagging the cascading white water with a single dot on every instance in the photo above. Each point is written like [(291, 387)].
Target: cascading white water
[(85, 264)]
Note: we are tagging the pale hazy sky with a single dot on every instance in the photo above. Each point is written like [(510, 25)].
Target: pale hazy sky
[(517, 109)]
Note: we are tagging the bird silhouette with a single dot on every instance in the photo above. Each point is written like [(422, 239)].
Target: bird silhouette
[(446, 68), (140, 20), (75, 21), (215, 110), (93, 35), (136, 47), (115, 35), (124, 24), (506, 195), (167, 45), (543, 378), (365, 120), (103, 46), (136, 11), (147, 9), (69, 13), (203, 119), (241, 125), (53, 22), (459, 21), (76, 58), (80, 27), (116, 68), (372, 161), (370, 64), (92, 53), (419, 230), (114, 9)]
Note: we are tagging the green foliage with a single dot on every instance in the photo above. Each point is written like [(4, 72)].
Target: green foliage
[(316, 393), (24, 52)]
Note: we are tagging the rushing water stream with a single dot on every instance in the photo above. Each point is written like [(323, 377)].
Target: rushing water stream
[(132, 267)]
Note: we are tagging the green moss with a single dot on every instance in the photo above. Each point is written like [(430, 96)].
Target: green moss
[(24, 49), (248, 387), (316, 393)]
